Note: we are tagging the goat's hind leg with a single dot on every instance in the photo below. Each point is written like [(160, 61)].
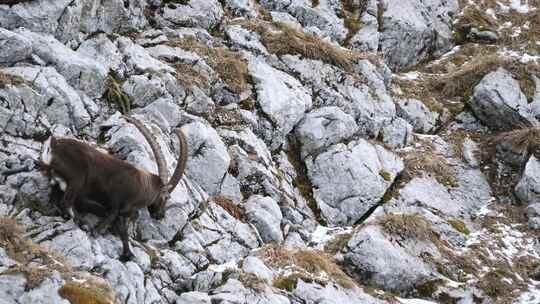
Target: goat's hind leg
[(123, 229), (113, 215)]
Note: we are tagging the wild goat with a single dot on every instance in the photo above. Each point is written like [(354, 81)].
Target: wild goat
[(88, 175)]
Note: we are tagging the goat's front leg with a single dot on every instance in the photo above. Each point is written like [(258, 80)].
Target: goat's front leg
[(104, 225), (68, 201), (123, 227)]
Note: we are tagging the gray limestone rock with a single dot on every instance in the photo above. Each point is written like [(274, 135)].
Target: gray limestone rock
[(418, 115), (14, 47), (499, 102), (335, 173), (266, 216), (324, 127)]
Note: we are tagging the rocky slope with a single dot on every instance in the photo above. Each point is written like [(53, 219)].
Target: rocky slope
[(353, 151)]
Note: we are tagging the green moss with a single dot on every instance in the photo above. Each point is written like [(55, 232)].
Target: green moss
[(78, 293), (114, 95), (385, 175), (459, 226), (303, 183), (286, 282), (8, 79)]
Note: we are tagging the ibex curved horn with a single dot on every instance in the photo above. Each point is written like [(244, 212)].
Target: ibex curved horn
[(160, 159), (182, 160)]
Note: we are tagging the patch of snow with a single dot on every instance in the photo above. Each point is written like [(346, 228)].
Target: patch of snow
[(323, 234), (522, 8), (531, 296), (409, 76), (230, 265)]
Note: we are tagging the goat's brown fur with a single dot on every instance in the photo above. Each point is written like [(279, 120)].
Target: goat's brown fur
[(91, 175)]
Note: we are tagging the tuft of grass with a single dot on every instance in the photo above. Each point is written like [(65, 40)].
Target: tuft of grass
[(522, 142), (308, 265), (430, 163), (282, 39), (462, 81), (114, 95), (189, 76), (82, 293), (228, 64), (23, 251), (408, 226), (428, 288), (235, 211), (11, 80), (493, 285), (251, 281), (337, 244), (286, 282), (460, 226)]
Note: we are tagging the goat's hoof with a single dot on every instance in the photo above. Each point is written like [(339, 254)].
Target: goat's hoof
[(127, 256)]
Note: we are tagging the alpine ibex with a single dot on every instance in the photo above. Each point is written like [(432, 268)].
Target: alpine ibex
[(89, 175)]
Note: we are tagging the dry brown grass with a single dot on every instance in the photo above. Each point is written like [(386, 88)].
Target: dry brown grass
[(282, 39), (475, 15), (407, 226), (307, 265), (462, 81), (8, 79), (428, 162), (84, 293), (523, 141), (235, 211), (27, 254), (337, 244), (37, 264), (232, 69), (189, 76)]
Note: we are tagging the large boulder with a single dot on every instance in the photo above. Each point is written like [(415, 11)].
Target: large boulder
[(208, 157), (265, 214), (499, 102), (82, 72), (350, 179), (390, 263), (324, 127), (48, 99), (281, 97), (14, 47), (71, 21), (528, 188), (427, 24), (197, 13), (418, 115)]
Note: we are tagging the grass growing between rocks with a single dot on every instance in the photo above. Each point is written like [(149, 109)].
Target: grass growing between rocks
[(37, 264), (115, 96), (337, 244), (429, 163), (407, 226), (8, 79), (283, 39), (307, 265), (232, 69), (235, 211), (302, 182)]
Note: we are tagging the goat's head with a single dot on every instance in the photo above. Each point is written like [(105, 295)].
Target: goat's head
[(157, 207)]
